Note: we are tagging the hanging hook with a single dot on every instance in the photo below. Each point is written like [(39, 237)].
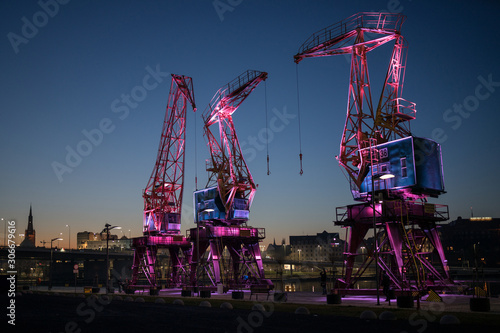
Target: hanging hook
[(298, 112), (267, 127), (268, 172), (301, 171)]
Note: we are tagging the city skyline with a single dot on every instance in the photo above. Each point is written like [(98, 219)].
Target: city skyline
[(84, 106)]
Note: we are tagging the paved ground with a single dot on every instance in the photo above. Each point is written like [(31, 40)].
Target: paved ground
[(59, 313), (451, 303)]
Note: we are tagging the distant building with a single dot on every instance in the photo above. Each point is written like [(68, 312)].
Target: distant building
[(114, 244), (83, 237), (103, 236), (323, 246), (459, 237), (29, 234), (277, 252)]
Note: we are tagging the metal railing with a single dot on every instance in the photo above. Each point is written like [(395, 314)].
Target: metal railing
[(374, 21), (404, 107), (231, 88)]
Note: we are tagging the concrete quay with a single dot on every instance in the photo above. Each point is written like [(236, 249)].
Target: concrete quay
[(64, 310), (450, 302)]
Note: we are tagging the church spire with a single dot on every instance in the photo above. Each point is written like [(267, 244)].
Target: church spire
[(29, 234), (30, 221)]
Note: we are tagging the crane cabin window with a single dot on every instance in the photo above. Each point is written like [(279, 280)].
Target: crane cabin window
[(384, 168), (404, 173)]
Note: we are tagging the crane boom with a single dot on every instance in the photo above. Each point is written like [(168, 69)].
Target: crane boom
[(357, 35), (228, 169), (163, 193)]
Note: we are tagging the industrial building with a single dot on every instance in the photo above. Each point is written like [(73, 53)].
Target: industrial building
[(472, 241)]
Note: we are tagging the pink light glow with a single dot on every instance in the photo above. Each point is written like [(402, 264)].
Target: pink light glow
[(234, 232)]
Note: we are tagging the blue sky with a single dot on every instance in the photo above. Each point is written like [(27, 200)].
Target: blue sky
[(67, 75)]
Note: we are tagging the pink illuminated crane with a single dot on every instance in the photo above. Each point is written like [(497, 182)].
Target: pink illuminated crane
[(385, 163), (163, 195), (222, 209)]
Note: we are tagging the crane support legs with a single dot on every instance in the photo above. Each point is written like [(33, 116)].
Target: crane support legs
[(145, 267), (239, 267), (408, 244)]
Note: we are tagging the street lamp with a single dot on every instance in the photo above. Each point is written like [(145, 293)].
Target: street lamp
[(69, 236), (51, 256), (4, 232), (107, 228), (383, 176)]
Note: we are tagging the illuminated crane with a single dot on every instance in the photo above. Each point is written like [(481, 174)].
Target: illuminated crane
[(222, 209), (163, 193), (376, 145)]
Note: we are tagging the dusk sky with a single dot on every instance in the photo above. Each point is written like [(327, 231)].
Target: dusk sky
[(68, 66)]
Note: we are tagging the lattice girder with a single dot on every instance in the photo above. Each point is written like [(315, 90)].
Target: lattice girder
[(163, 193), (228, 169), (358, 35)]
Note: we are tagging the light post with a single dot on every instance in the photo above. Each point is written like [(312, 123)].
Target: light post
[(4, 232), (107, 228), (207, 210), (375, 241), (69, 237), (51, 258)]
